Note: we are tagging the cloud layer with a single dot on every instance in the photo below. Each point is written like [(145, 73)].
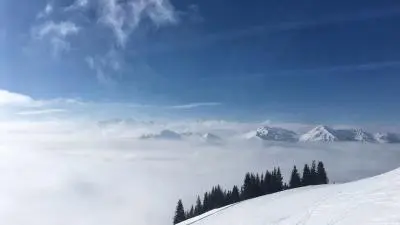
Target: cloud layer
[(66, 171)]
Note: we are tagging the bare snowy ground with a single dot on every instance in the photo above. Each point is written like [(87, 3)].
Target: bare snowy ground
[(370, 201)]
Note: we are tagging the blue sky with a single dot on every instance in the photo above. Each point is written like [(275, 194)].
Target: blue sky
[(335, 61)]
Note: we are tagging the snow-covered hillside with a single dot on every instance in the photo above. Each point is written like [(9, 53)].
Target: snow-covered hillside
[(374, 200), (276, 134)]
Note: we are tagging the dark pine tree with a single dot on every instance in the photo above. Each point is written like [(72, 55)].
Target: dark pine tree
[(257, 189), (306, 176), (267, 183), (313, 172), (179, 213), (198, 208), (206, 203), (246, 192), (322, 177), (191, 213), (278, 180), (235, 194), (295, 180)]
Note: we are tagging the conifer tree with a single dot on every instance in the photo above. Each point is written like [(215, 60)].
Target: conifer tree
[(279, 180), (206, 202), (191, 212), (267, 183), (198, 209), (321, 174), (235, 194), (313, 172), (246, 188), (306, 176), (179, 213), (295, 180)]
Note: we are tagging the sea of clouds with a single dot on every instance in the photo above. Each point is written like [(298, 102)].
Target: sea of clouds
[(86, 173)]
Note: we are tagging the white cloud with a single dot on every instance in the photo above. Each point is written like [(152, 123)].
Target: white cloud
[(57, 34), (12, 104), (41, 112), (195, 105), (11, 98), (124, 16), (48, 9), (56, 172)]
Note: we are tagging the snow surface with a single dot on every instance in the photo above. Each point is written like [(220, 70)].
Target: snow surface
[(374, 200)]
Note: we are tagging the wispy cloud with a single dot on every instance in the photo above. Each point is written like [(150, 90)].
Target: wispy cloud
[(195, 105), (104, 65), (124, 16), (41, 112), (56, 34), (78, 4), (48, 9)]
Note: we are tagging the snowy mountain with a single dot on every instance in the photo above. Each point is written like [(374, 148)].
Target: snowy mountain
[(163, 135), (276, 134), (360, 135), (370, 201), (211, 137), (387, 138), (319, 134), (327, 134)]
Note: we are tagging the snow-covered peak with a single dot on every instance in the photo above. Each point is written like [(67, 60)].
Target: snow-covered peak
[(276, 134), (211, 137), (320, 133), (164, 134), (387, 137), (327, 134), (363, 136)]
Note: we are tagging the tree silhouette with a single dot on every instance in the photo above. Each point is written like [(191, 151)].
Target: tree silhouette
[(235, 194), (179, 213), (254, 185), (198, 209), (313, 172), (295, 180), (306, 176), (322, 177)]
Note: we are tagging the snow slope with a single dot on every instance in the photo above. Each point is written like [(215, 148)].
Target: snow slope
[(374, 200)]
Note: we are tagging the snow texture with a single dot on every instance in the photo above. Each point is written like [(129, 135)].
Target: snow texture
[(374, 200)]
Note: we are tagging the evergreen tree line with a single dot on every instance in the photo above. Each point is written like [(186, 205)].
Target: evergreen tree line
[(254, 185)]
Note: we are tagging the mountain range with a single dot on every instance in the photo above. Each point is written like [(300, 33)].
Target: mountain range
[(323, 133)]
